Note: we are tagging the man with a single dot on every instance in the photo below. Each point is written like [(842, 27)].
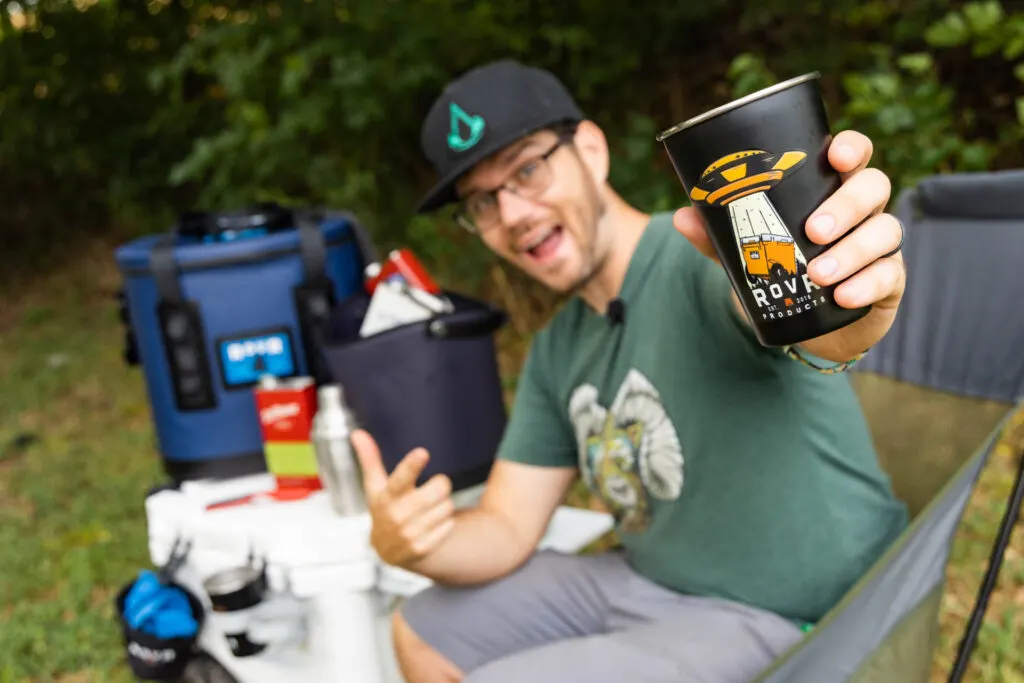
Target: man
[(746, 492)]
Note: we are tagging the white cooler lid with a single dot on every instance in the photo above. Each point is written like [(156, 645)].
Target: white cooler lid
[(299, 533)]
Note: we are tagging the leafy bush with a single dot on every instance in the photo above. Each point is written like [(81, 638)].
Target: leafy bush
[(121, 113)]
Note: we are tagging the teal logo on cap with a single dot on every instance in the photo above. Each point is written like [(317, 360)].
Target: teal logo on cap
[(474, 125)]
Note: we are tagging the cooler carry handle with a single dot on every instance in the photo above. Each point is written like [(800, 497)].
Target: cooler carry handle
[(474, 323), (181, 330), (181, 322), (273, 217), (368, 251), (314, 296)]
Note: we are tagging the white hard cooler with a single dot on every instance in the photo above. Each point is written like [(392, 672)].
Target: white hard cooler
[(329, 613)]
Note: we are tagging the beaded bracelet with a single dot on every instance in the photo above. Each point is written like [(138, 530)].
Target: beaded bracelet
[(835, 369)]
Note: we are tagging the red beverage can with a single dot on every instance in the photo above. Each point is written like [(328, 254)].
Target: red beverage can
[(286, 408)]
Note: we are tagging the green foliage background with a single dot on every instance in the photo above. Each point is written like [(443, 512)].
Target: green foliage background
[(118, 113)]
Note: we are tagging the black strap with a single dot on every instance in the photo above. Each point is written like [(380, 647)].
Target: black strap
[(181, 331), (130, 352), (312, 249), (314, 296), (367, 250), (165, 269)]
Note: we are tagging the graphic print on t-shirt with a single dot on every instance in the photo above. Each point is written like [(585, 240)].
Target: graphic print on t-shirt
[(630, 452)]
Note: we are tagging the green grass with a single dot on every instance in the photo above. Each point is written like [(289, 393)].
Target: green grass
[(72, 523)]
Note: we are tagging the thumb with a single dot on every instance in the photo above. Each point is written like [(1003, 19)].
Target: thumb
[(375, 477), (688, 221)]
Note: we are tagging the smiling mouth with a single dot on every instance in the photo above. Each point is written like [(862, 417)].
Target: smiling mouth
[(545, 244)]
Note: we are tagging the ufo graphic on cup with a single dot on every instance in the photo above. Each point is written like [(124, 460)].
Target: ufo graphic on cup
[(740, 182)]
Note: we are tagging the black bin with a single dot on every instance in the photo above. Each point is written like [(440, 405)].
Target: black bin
[(158, 659), (433, 384)]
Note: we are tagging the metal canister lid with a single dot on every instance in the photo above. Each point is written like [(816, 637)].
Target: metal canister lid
[(231, 580)]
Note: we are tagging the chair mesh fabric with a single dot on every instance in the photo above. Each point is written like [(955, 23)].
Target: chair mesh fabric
[(932, 390)]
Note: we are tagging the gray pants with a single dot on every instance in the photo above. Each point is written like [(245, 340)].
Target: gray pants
[(563, 618)]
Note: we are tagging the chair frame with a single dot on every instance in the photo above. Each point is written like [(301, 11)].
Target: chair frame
[(1010, 516)]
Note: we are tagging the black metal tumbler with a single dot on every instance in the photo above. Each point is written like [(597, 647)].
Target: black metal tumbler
[(756, 168), (234, 594)]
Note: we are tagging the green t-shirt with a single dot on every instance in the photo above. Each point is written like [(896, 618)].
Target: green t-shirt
[(732, 470)]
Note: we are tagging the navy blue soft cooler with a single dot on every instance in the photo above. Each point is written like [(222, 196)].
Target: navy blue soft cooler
[(433, 383), (209, 317)]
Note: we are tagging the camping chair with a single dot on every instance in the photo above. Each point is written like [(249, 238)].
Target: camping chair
[(943, 381)]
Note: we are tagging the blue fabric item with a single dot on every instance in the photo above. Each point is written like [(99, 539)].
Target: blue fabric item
[(166, 625), (140, 597), (160, 610)]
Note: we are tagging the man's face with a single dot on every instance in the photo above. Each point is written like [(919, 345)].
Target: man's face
[(544, 219)]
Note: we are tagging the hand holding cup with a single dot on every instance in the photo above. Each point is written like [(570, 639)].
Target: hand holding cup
[(794, 216)]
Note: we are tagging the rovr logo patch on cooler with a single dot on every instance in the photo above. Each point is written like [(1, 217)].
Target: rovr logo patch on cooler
[(244, 359)]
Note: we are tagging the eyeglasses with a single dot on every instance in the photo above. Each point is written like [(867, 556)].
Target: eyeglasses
[(481, 211)]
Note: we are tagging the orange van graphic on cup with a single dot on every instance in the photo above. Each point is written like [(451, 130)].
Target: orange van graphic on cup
[(741, 181)]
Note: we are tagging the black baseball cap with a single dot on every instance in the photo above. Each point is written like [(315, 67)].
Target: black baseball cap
[(483, 111)]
